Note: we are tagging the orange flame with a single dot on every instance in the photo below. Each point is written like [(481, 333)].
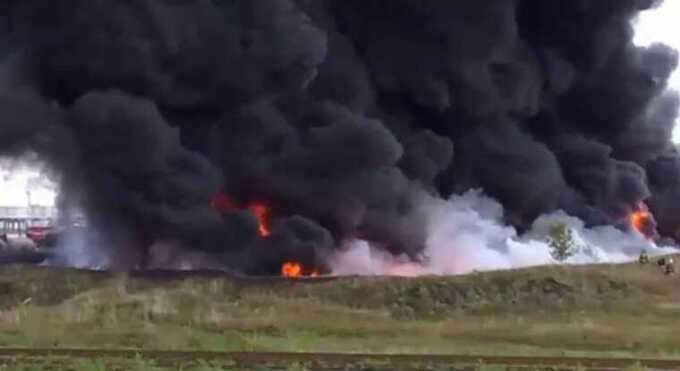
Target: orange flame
[(297, 270), (638, 219), (223, 203), (291, 269), (261, 212), (643, 221)]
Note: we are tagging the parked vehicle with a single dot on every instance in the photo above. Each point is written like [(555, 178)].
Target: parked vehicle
[(38, 230)]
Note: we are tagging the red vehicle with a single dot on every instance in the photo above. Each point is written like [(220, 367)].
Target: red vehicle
[(38, 230), (38, 234)]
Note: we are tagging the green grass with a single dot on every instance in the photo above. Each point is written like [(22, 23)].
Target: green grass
[(597, 310)]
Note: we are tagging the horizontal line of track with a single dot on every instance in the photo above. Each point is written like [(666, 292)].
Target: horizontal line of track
[(339, 359)]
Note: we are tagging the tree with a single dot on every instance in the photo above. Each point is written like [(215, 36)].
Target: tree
[(562, 242)]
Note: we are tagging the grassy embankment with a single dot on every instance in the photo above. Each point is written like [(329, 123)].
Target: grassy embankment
[(597, 310)]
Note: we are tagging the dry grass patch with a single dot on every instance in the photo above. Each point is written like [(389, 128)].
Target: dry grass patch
[(625, 309)]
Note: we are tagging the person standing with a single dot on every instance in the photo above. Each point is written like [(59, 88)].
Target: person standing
[(670, 267), (644, 258)]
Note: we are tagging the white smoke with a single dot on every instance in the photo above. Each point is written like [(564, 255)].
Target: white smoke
[(467, 233), (73, 251), (172, 255)]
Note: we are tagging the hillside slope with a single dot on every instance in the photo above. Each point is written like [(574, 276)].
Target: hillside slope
[(595, 310)]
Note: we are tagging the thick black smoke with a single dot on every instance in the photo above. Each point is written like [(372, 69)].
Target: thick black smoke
[(338, 114)]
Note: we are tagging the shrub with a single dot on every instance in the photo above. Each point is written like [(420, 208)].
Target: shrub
[(561, 242)]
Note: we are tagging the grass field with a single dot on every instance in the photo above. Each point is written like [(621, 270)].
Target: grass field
[(624, 310)]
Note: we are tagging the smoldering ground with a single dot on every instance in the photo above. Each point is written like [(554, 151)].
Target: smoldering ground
[(340, 116)]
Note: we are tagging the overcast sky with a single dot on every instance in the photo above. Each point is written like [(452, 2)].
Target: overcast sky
[(15, 184), (657, 25), (661, 25)]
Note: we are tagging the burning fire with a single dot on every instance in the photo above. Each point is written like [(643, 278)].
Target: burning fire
[(643, 221), (291, 269), (261, 212), (296, 270), (638, 219), (224, 203)]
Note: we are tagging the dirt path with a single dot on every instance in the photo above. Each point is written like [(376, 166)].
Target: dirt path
[(334, 361)]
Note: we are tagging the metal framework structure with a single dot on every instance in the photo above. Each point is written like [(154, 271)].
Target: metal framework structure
[(31, 212), (17, 220)]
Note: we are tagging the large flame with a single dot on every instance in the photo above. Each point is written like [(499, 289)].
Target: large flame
[(638, 219), (224, 203), (291, 269), (261, 212), (643, 221), (296, 270)]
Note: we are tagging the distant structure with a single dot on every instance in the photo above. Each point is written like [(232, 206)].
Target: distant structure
[(20, 221), (28, 212), (23, 222)]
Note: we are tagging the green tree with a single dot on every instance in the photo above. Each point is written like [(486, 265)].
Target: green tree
[(561, 242)]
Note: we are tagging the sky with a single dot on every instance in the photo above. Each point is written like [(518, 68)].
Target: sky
[(17, 183), (656, 25), (661, 25)]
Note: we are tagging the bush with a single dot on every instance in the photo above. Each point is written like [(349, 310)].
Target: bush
[(561, 242)]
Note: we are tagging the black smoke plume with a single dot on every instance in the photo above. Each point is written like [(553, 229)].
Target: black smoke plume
[(338, 114)]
